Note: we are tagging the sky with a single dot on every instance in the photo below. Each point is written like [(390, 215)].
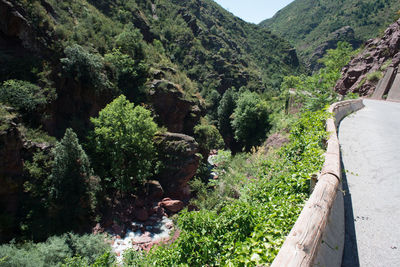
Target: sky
[(253, 11)]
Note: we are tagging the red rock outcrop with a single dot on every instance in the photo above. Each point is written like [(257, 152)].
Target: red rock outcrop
[(178, 153), (173, 107), (363, 72)]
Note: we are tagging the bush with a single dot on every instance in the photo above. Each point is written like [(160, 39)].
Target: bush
[(57, 250), (247, 229), (22, 95), (131, 74), (208, 137), (123, 140)]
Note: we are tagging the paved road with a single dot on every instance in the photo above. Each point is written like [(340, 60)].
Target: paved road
[(370, 143)]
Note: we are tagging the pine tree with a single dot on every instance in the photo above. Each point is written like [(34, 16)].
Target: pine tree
[(72, 192)]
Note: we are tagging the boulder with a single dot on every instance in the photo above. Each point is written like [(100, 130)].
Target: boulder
[(172, 205), (141, 214), (180, 158), (153, 189)]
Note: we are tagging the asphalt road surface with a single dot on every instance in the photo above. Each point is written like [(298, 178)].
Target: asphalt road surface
[(370, 144)]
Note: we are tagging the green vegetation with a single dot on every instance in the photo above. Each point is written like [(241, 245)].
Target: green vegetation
[(82, 250), (72, 185), (124, 149), (24, 96), (316, 91), (252, 208), (308, 23), (95, 59), (251, 120), (85, 67)]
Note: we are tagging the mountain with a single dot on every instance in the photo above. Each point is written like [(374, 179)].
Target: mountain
[(62, 62), (205, 49), (313, 26)]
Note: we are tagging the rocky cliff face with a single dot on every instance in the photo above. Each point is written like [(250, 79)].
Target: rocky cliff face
[(173, 109), (362, 74), (178, 154), (11, 167)]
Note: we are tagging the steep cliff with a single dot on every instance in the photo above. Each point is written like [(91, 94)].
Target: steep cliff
[(363, 73)]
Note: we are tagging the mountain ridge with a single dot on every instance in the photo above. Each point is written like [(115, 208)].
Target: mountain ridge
[(308, 24)]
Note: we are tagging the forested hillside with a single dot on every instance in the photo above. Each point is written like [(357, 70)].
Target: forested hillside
[(313, 26), (166, 63), (153, 133)]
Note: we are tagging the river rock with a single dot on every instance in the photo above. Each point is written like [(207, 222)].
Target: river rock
[(141, 214), (172, 205)]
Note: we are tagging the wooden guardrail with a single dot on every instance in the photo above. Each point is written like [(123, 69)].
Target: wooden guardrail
[(317, 238)]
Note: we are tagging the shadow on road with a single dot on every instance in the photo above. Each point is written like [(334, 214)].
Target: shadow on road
[(350, 252)]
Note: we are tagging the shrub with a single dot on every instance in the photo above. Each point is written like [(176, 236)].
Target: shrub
[(131, 74), (22, 95), (123, 140), (208, 137), (375, 76), (89, 249)]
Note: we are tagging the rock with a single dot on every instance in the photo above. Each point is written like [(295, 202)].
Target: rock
[(11, 173), (118, 230), (178, 153), (377, 52), (154, 190), (275, 140), (173, 108), (172, 205), (141, 214), (169, 225), (143, 239), (97, 229)]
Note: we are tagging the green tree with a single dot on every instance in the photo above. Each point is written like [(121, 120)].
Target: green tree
[(123, 137), (131, 74), (316, 91), (251, 120), (226, 108), (130, 42), (72, 186), (86, 67)]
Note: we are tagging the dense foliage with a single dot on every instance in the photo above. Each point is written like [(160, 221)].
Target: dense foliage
[(93, 59), (22, 95), (124, 149), (258, 200), (58, 251), (308, 23), (251, 120), (73, 187)]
